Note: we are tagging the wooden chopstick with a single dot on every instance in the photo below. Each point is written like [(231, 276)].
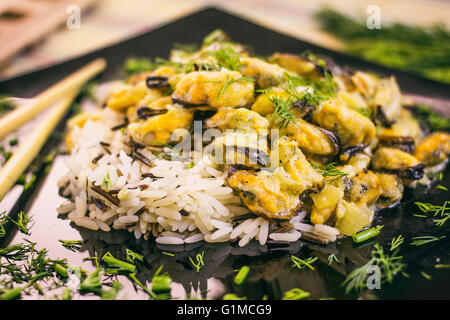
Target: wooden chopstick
[(19, 116), (31, 146), (67, 90)]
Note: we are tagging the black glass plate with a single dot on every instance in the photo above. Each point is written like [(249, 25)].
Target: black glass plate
[(271, 267)]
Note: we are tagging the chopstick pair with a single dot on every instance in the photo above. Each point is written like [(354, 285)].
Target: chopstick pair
[(64, 92)]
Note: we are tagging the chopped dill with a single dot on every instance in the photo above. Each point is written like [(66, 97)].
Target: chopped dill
[(199, 261), (283, 113), (442, 211), (226, 57), (396, 242), (332, 257), (72, 245), (299, 263), (23, 219), (390, 266), (329, 170), (420, 241)]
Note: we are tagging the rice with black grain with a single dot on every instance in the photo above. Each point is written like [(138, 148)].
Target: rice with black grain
[(172, 201)]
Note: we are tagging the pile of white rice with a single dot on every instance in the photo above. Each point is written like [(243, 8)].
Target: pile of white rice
[(182, 205)]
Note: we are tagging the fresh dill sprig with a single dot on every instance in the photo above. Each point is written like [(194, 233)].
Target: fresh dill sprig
[(420, 241), (442, 211), (226, 57), (299, 263), (390, 266), (332, 257), (322, 89), (443, 220), (23, 219), (417, 49), (431, 208), (283, 113), (396, 242), (72, 245), (329, 170), (199, 261)]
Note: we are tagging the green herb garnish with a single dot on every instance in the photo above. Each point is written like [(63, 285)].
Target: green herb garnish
[(390, 266), (332, 257), (199, 261), (296, 294), (241, 275), (72, 245), (366, 234), (329, 170), (420, 241), (417, 49), (396, 242), (283, 113), (299, 263)]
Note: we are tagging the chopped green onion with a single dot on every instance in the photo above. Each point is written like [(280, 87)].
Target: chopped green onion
[(296, 294), (366, 234), (241, 275), (11, 294)]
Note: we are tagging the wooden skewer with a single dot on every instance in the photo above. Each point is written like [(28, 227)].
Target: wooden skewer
[(31, 146), (19, 116)]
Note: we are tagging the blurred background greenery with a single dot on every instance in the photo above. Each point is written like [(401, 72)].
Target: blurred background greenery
[(414, 34)]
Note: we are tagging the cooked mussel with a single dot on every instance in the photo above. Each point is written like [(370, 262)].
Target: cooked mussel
[(218, 89), (159, 128), (400, 142), (266, 74), (365, 188), (241, 119), (392, 190), (434, 149), (352, 127), (297, 64), (264, 195), (313, 139), (399, 162)]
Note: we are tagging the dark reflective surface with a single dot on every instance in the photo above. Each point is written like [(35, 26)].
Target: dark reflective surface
[(271, 268)]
